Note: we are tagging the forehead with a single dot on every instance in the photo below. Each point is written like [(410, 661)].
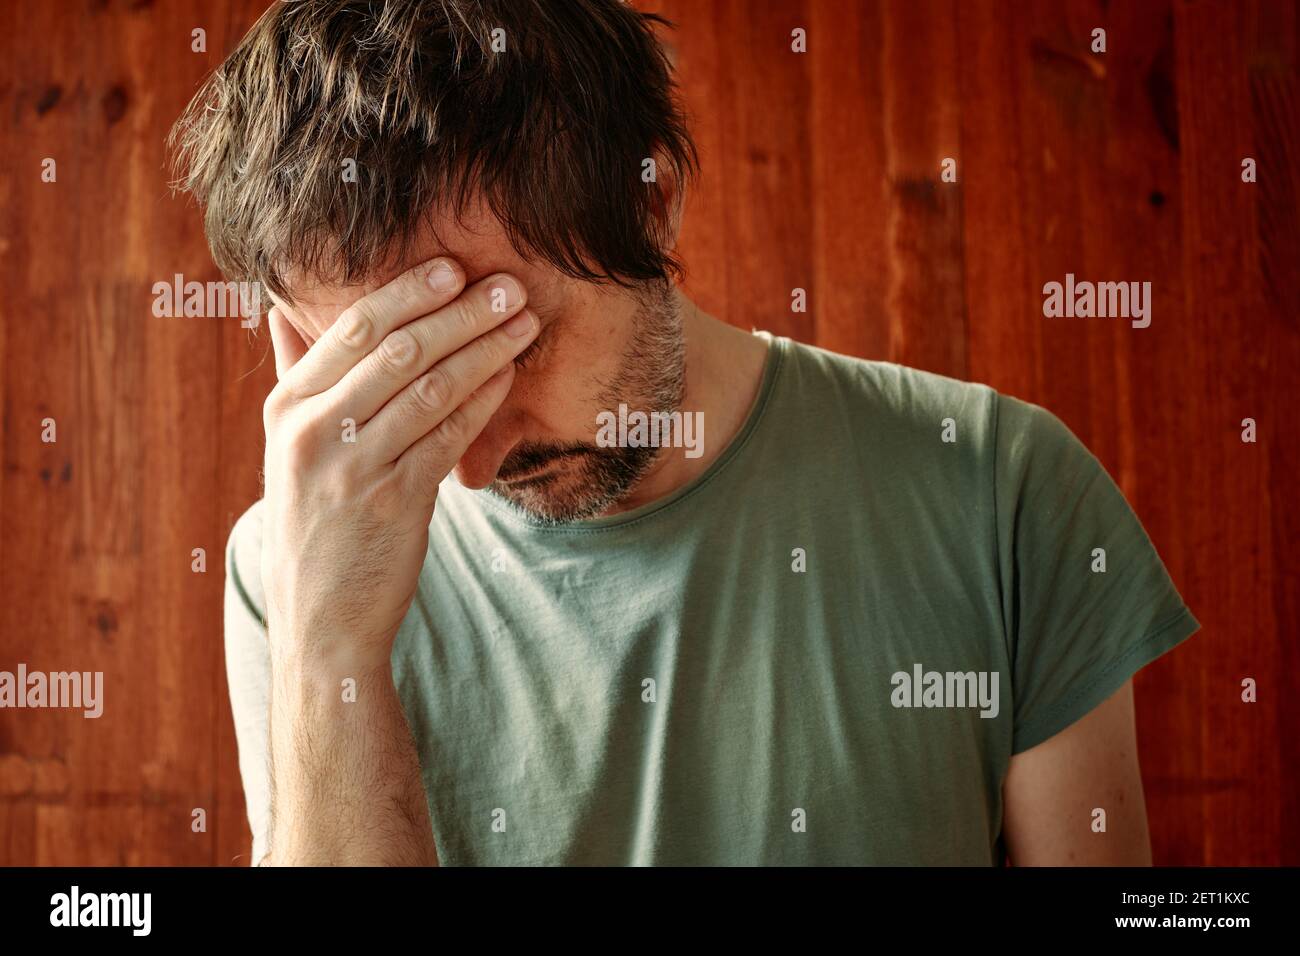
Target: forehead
[(476, 240)]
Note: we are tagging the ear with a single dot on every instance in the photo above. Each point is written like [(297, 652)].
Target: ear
[(669, 200)]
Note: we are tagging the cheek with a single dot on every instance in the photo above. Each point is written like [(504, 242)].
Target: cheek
[(555, 403)]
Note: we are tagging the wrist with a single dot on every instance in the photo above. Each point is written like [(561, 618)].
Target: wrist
[(314, 652)]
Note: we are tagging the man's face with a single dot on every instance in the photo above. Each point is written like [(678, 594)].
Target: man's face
[(598, 347)]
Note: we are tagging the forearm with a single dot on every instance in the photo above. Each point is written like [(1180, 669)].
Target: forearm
[(350, 517), (345, 775)]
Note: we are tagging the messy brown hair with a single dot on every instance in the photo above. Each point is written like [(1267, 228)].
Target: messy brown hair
[(552, 133)]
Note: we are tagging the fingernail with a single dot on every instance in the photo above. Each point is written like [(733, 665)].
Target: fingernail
[(443, 277), (502, 372), (521, 324), (513, 293)]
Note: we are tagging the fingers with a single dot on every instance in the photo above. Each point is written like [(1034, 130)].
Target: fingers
[(410, 351), (431, 459), (364, 324), (285, 341), (439, 392)]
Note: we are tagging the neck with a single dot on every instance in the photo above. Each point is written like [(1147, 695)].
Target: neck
[(724, 368)]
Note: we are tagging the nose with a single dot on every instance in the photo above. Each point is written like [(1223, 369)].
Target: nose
[(479, 465)]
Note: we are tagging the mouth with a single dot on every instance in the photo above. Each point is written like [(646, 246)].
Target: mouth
[(539, 475), (536, 478)]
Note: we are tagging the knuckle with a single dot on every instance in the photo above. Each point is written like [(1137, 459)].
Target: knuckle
[(406, 295), (399, 350), (454, 430), (434, 389), (277, 403), (298, 447), (496, 350), (465, 317), (356, 326)]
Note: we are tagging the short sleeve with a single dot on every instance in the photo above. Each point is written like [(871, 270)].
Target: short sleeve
[(1086, 600), (248, 671)]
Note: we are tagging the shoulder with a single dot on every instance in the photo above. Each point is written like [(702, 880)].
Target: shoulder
[(935, 435), (900, 401), (1023, 424), (1033, 447), (899, 395), (897, 417)]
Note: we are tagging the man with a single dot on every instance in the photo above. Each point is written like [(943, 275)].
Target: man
[(824, 611)]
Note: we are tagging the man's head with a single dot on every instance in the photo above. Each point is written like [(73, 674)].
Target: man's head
[(345, 140)]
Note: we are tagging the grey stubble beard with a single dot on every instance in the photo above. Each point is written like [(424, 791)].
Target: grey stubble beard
[(651, 376)]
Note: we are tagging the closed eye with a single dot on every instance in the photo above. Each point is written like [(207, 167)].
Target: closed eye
[(529, 355)]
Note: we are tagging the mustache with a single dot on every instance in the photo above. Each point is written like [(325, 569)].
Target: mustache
[(527, 457)]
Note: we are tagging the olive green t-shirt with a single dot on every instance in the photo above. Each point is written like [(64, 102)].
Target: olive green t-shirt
[(824, 650)]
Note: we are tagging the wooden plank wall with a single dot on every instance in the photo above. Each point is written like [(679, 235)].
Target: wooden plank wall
[(822, 173)]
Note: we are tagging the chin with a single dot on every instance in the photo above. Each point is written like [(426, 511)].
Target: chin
[(557, 498), (583, 486)]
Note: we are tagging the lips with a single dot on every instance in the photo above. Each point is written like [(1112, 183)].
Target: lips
[(542, 472), (532, 478)]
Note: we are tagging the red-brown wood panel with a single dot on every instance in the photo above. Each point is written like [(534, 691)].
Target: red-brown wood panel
[(821, 173)]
